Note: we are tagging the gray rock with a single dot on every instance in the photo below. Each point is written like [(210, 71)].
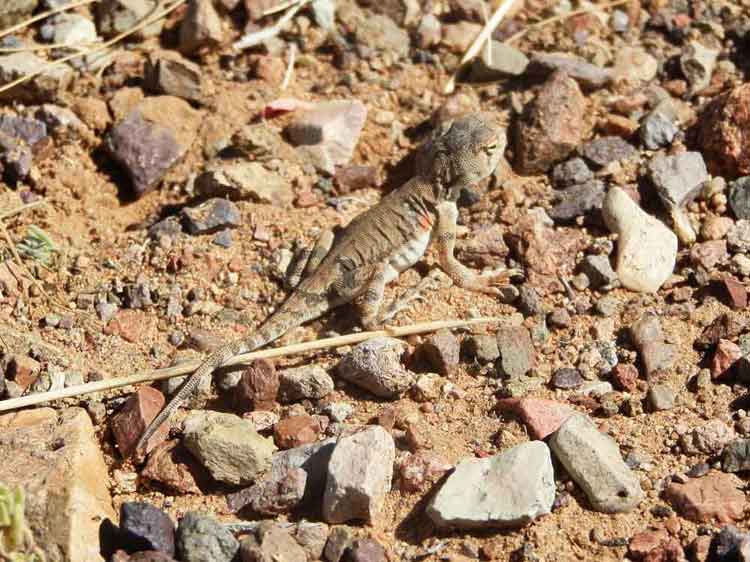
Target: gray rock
[(571, 172), (579, 200), (69, 29), (375, 365), (117, 16), (595, 388), (30, 131), (338, 411), (594, 462), (502, 61), (441, 350), (201, 538), (15, 11), (679, 178), (586, 74), (327, 134), (736, 456), (567, 378), (359, 476), (313, 459), (646, 248), (44, 87), (657, 129), (429, 31), (271, 497), (312, 537), (730, 545), (505, 490), (146, 527), (166, 72), (211, 216), (244, 180), (709, 438), (200, 27), (599, 271), (339, 540), (605, 150), (56, 117), (697, 63), (660, 397), (739, 197), (16, 158), (517, 353), (310, 381), (380, 33), (738, 237), (228, 446), (365, 550)]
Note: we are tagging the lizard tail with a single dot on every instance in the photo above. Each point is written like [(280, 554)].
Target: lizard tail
[(286, 317)]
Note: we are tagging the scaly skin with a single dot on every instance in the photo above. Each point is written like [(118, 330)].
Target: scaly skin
[(379, 244)]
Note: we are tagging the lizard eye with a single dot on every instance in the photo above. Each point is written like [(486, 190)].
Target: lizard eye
[(490, 148)]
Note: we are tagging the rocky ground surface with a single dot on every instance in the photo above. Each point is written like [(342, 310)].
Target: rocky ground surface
[(154, 193)]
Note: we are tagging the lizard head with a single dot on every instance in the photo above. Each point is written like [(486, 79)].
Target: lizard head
[(461, 152)]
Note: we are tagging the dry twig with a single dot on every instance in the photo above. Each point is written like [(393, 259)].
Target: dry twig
[(189, 367)]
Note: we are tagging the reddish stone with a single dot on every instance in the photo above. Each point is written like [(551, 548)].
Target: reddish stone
[(542, 417), (699, 548), (258, 387), (736, 292), (270, 69), (23, 370), (721, 132), (130, 325), (419, 471), (354, 176), (708, 254), (625, 376), (295, 431), (727, 326), (553, 125), (133, 418), (655, 546), (306, 199), (442, 351), (727, 354), (714, 497), (172, 465)]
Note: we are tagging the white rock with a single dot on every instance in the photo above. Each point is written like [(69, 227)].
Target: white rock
[(646, 248), (506, 490), (359, 476), (594, 462)]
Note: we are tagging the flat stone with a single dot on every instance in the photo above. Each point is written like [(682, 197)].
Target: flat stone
[(646, 248), (552, 125), (505, 490), (313, 459), (566, 379), (599, 271), (594, 462), (589, 76), (242, 180), (258, 387), (201, 538), (541, 417), (272, 497), (714, 497), (312, 537), (58, 463), (173, 466), (135, 416), (679, 178), (359, 476), (211, 216), (271, 543), (502, 61), (228, 446), (582, 200), (380, 33), (660, 397), (655, 545), (709, 254), (152, 138), (517, 353), (482, 348), (295, 431), (419, 471), (167, 73), (146, 527), (44, 87), (375, 365), (365, 550), (310, 382), (328, 133), (571, 172), (602, 151)]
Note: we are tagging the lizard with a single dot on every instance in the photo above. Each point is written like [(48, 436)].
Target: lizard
[(356, 264)]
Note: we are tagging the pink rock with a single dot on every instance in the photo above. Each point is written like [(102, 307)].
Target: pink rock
[(727, 354), (295, 431), (130, 422), (655, 546), (625, 376), (715, 497), (420, 470), (542, 417)]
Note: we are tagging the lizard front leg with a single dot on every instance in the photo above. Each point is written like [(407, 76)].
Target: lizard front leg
[(306, 261), (461, 275)]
